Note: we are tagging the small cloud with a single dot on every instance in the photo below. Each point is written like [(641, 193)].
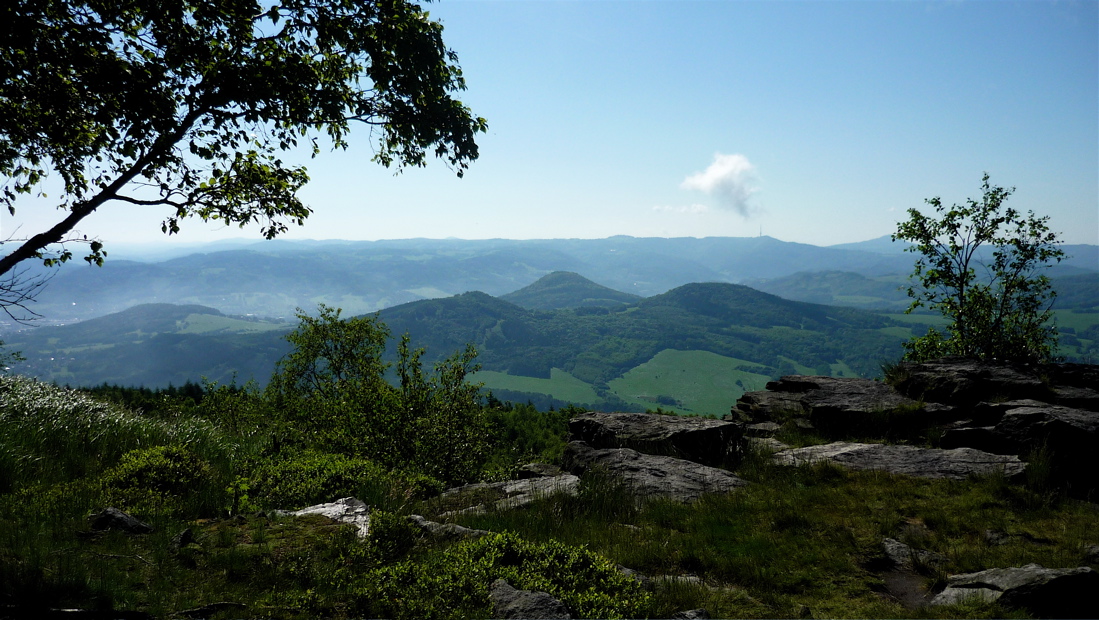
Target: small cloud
[(731, 179), (692, 209)]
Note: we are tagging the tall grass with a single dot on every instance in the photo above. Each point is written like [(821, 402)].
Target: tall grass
[(50, 434)]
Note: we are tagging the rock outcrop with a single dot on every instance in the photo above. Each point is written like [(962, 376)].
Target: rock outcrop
[(1044, 592), (445, 531), (114, 519), (345, 510), (511, 494), (508, 602), (834, 406), (648, 475), (957, 464), (711, 442)]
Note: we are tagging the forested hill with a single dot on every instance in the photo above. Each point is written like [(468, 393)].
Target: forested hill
[(565, 289), (597, 344)]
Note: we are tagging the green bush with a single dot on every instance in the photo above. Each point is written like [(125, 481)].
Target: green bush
[(454, 584), (163, 477), (310, 477)]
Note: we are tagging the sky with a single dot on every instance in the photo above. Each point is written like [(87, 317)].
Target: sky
[(816, 122)]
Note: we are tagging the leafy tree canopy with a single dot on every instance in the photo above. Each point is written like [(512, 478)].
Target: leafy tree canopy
[(998, 304), (187, 105)]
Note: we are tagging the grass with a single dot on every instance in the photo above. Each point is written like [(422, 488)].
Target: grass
[(797, 542), (208, 323), (561, 385), (699, 382)]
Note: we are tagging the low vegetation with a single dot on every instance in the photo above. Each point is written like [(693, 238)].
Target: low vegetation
[(209, 466)]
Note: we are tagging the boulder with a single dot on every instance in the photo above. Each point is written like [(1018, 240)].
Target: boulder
[(114, 519), (652, 475), (961, 381), (345, 510), (692, 614), (840, 406), (957, 464), (507, 602), (1043, 592), (537, 470), (907, 558), (445, 531), (703, 440), (1069, 436), (511, 494)]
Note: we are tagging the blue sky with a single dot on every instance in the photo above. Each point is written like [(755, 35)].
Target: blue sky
[(816, 122)]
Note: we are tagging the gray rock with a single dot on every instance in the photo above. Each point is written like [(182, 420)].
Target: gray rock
[(767, 443), (507, 602), (957, 464), (345, 510), (514, 494), (692, 614), (653, 476), (762, 429), (537, 470), (446, 531), (962, 381), (907, 558), (838, 406), (1044, 592), (702, 440), (114, 519), (1091, 554)]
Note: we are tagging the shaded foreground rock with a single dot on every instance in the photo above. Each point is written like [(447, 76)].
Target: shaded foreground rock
[(960, 381), (837, 406), (956, 464), (511, 494), (1044, 592), (907, 558), (345, 510), (114, 519), (507, 602), (652, 475), (445, 531), (702, 440)]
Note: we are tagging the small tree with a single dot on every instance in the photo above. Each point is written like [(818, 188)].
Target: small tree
[(332, 389), (998, 304)]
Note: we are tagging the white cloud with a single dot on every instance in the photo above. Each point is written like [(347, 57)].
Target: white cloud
[(731, 179), (692, 209)]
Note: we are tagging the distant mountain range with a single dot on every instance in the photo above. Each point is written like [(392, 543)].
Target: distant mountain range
[(695, 348), (271, 279)]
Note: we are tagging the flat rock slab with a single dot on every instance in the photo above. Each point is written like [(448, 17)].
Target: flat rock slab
[(652, 475), (834, 405), (1044, 592), (703, 440), (964, 382), (114, 519), (957, 464), (508, 602), (345, 510), (446, 531), (512, 494)]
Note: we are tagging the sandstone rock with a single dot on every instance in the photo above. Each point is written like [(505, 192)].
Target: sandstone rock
[(511, 494), (702, 440), (762, 429), (650, 475), (537, 470), (345, 510), (907, 558), (446, 531), (507, 602), (692, 614), (1044, 592), (838, 406), (960, 381), (115, 519), (907, 460), (1069, 436)]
